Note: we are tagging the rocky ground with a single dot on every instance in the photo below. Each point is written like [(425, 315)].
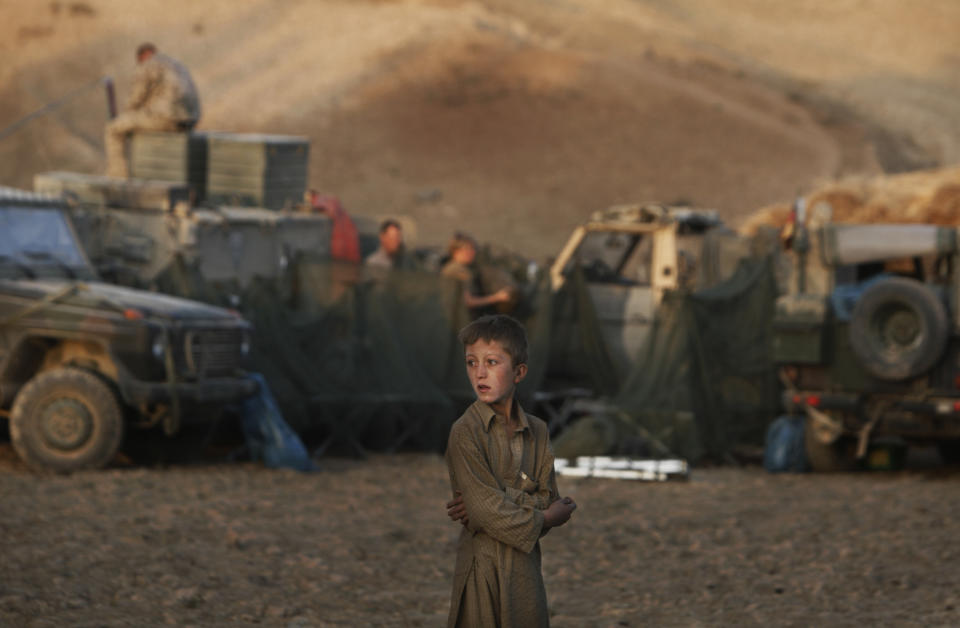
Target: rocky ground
[(366, 543)]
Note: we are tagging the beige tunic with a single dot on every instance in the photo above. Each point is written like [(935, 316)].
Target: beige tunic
[(505, 483)]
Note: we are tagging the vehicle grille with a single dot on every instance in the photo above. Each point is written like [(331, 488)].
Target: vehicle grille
[(209, 352)]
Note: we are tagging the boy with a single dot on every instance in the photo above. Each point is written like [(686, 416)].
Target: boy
[(505, 491)]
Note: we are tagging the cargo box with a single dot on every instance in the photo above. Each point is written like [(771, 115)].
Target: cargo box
[(256, 170), (175, 157)]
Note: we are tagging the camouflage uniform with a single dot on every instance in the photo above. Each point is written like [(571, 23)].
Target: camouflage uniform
[(164, 98)]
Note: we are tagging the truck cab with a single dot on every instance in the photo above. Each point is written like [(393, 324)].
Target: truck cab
[(630, 256), (83, 361)]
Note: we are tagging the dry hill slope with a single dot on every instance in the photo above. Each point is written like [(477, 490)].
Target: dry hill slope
[(515, 120)]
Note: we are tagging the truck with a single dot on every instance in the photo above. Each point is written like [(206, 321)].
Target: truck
[(630, 256), (653, 307), (867, 338), (83, 361)]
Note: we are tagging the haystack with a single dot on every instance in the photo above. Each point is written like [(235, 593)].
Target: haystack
[(926, 196)]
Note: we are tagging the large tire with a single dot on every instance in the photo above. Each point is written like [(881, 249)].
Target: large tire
[(898, 329), (66, 420), (828, 457)]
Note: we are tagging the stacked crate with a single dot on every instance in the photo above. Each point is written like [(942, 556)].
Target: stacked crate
[(256, 170), (174, 157)]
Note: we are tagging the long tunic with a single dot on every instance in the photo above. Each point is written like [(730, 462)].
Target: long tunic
[(506, 483)]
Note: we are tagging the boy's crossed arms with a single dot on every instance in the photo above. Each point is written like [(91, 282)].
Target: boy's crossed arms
[(496, 510)]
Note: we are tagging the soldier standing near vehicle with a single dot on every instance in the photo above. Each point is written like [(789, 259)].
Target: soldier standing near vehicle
[(390, 253), (163, 98), (462, 255)]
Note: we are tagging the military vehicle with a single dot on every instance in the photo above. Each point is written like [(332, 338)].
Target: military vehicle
[(867, 337), (630, 256), (230, 205), (81, 361)]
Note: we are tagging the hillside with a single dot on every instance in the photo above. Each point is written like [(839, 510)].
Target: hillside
[(515, 120)]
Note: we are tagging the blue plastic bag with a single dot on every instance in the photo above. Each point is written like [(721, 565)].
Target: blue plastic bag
[(783, 450), (268, 436)]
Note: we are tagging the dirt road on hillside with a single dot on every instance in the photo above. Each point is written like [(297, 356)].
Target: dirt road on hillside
[(366, 543)]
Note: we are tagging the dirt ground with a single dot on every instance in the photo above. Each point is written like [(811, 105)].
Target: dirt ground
[(367, 543), (515, 121)]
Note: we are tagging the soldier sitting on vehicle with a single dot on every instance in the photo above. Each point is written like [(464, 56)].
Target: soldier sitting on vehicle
[(163, 98)]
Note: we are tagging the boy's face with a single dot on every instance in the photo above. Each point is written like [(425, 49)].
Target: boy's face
[(492, 373)]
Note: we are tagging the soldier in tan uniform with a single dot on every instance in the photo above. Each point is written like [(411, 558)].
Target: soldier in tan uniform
[(163, 98)]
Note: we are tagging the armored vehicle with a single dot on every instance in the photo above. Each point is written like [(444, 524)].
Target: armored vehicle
[(868, 338), (666, 311), (81, 361), (229, 205)]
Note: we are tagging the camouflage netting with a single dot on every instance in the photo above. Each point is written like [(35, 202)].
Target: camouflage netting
[(358, 363), (703, 384)]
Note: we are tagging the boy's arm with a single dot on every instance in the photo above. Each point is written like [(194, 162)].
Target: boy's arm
[(489, 507), (546, 475), (538, 492)]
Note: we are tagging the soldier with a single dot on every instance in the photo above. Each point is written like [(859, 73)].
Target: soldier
[(164, 98), (391, 251), (462, 254)]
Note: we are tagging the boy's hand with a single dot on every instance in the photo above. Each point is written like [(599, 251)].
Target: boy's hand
[(558, 513), (456, 510)]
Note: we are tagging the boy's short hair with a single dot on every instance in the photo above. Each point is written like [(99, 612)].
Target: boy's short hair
[(504, 329)]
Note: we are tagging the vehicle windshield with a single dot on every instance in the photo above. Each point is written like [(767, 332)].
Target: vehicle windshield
[(37, 242), (611, 257)]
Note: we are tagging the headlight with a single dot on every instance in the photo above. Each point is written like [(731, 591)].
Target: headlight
[(245, 344), (159, 347)]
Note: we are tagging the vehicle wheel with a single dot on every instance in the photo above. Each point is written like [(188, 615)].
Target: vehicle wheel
[(65, 420), (898, 329), (828, 457)]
